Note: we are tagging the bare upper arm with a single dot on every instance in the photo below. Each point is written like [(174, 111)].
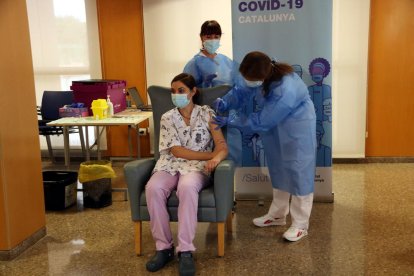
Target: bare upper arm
[(217, 134)]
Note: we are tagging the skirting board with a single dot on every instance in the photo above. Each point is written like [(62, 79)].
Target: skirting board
[(8, 255)]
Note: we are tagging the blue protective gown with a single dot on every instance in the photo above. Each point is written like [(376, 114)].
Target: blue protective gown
[(209, 72), (286, 122)]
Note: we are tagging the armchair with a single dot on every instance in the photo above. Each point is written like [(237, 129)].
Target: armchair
[(215, 201)]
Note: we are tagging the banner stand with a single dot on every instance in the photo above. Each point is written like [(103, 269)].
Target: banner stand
[(297, 32)]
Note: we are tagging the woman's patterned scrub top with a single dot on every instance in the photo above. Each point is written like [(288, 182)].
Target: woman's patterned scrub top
[(175, 132)]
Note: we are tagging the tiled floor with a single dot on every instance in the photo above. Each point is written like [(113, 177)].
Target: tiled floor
[(368, 230)]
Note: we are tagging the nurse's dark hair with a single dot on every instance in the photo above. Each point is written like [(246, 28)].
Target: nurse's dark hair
[(259, 66), (210, 27), (189, 81)]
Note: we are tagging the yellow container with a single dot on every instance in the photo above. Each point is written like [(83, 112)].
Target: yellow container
[(99, 109)]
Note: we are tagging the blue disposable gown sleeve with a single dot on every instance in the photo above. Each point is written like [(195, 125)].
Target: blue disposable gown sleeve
[(191, 68), (209, 72), (239, 95), (273, 112), (232, 99), (281, 101)]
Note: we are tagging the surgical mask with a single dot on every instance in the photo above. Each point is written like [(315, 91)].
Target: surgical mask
[(180, 100), (211, 45), (253, 84)]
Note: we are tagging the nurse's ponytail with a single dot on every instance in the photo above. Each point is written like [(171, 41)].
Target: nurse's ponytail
[(278, 70)]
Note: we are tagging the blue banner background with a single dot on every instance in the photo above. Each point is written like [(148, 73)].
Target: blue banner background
[(298, 32), (305, 33)]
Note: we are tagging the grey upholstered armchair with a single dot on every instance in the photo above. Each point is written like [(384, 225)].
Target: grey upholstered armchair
[(215, 201)]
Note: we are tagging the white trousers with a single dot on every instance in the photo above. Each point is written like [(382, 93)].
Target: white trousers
[(300, 208)]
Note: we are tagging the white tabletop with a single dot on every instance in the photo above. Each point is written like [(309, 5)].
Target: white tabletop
[(126, 117)]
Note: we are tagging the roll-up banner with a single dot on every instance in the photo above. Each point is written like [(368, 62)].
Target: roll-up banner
[(298, 32)]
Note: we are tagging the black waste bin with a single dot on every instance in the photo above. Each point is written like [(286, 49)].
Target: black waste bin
[(59, 188), (97, 193)]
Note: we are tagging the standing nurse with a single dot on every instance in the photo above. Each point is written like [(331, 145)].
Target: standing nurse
[(286, 122), (211, 69), (208, 67)]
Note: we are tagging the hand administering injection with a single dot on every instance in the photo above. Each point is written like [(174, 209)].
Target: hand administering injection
[(219, 105)]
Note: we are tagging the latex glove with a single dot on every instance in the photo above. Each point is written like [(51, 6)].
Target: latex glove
[(209, 78), (77, 105), (219, 105), (220, 121), (235, 120)]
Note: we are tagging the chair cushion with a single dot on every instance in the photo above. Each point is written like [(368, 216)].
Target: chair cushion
[(206, 198)]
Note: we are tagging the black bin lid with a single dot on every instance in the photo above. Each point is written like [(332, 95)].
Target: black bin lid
[(59, 177)]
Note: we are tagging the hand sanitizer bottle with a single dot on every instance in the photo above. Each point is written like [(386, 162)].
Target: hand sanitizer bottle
[(110, 107)]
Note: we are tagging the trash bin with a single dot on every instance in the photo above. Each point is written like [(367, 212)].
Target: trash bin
[(59, 188), (95, 177)]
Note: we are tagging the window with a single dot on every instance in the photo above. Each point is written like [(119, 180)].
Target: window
[(65, 47)]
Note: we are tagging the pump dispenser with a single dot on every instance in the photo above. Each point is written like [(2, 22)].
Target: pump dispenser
[(110, 106)]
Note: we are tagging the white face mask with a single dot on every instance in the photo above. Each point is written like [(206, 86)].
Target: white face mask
[(253, 84)]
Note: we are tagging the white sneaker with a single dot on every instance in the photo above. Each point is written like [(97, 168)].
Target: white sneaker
[(267, 220), (295, 234)]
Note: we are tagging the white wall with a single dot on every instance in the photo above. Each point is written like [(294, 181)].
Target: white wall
[(349, 83), (172, 30)]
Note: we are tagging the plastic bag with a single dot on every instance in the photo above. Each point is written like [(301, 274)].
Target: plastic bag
[(93, 170)]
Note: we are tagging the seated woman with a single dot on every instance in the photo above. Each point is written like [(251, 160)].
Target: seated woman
[(190, 149)]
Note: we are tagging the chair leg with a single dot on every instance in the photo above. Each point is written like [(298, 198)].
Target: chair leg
[(229, 222), (138, 237), (220, 239), (82, 141), (49, 149)]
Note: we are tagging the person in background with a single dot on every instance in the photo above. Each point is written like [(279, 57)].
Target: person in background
[(208, 67), (286, 122), (211, 69), (187, 157)]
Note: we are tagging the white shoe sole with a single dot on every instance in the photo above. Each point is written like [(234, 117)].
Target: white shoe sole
[(296, 238)]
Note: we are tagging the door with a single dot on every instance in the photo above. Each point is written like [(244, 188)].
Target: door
[(121, 35), (390, 79)]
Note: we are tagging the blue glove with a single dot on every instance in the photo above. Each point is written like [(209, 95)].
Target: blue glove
[(209, 80), (220, 121), (219, 105), (234, 120), (77, 105)]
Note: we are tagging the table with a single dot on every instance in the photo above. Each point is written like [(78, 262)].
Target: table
[(129, 117)]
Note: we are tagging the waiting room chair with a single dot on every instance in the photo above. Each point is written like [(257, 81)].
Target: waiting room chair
[(49, 111), (215, 201)]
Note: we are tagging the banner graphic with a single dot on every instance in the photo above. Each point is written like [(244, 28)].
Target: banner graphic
[(298, 32)]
